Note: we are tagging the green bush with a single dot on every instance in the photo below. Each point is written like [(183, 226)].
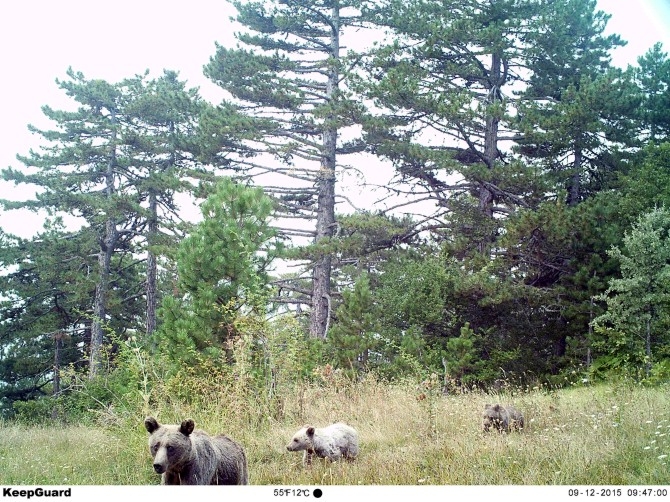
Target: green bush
[(37, 411)]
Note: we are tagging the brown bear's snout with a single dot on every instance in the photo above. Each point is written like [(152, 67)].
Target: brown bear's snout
[(159, 468)]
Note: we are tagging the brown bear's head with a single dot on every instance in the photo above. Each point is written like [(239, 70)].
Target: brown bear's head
[(492, 417), (170, 445)]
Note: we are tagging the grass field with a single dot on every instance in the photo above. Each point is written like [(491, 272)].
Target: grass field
[(605, 435)]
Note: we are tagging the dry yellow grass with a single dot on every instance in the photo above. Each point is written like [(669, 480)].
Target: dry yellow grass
[(584, 435), (409, 435)]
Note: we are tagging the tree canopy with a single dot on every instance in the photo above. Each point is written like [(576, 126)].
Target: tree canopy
[(521, 234)]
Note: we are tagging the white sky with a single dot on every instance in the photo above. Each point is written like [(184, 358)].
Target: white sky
[(40, 39)]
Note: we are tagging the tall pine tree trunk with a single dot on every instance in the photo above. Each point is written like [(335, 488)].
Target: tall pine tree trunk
[(58, 342), (486, 197), (107, 244), (325, 218), (100, 301), (574, 183), (152, 300), (647, 346)]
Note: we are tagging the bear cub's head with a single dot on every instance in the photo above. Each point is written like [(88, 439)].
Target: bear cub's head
[(492, 417), (302, 440), (170, 445)]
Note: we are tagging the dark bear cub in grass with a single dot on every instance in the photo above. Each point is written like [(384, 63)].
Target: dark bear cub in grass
[(184, 455), (333, 442), (503, 418)]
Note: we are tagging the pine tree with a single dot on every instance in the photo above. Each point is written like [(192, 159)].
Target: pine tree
[(223, 268), (286, 76), (41, 295), (576, 107), (117, 163), (354, 335), (161, 142), (48, 285), (444, 86), (79, 173), (576, 119), (653, 78)]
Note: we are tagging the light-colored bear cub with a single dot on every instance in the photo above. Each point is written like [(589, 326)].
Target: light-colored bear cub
[(333, 442)]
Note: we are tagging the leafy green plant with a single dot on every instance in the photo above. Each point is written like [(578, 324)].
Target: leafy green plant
[(634, 326)]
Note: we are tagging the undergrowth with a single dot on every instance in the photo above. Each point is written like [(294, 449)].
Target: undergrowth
[(411, 431)]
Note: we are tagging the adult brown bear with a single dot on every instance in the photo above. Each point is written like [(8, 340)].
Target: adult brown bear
[(184, 455)]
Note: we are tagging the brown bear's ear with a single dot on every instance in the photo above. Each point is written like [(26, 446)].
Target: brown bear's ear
[(151, 424), (310, 431), (187, 427), (497, 407)]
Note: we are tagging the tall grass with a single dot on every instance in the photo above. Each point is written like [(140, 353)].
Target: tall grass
[(589, 435)]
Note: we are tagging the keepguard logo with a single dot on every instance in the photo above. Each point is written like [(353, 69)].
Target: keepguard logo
[(35, 492)]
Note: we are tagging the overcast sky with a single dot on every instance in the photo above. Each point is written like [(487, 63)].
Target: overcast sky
[(40, 39)]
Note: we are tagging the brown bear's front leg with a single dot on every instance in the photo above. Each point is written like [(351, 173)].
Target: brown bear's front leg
[(170, 478)]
